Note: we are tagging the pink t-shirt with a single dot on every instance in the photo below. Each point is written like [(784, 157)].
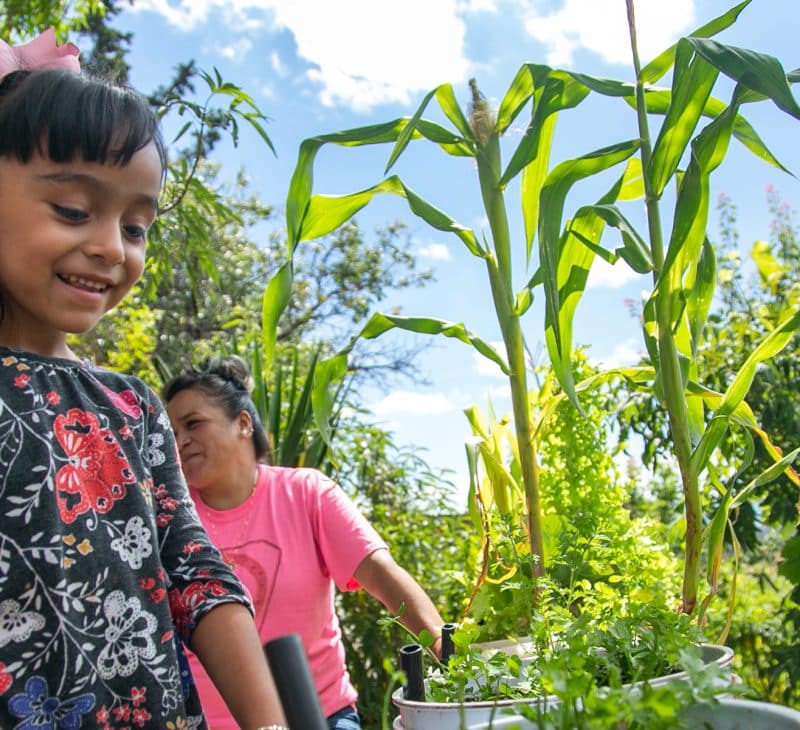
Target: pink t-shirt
[(289, 543)]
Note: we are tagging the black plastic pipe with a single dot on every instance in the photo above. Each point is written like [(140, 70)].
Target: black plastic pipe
[(447, 642), (411, 664), (295, 685)]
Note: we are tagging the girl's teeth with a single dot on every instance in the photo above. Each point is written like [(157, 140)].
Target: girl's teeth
[(85, 283)]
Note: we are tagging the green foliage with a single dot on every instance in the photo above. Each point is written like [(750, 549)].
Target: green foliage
[(20, 20), (599, 555), (765, 633), (412, 510), (124, 340)]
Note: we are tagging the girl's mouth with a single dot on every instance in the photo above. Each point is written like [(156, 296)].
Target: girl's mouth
[(82, 283)]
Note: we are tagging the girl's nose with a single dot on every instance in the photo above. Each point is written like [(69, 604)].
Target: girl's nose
[(106, 243)]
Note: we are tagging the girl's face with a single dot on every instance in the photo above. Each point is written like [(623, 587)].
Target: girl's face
[(72, 243), (212, 446)]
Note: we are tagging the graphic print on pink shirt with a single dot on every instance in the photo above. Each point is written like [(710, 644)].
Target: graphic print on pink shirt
[(257, 563)]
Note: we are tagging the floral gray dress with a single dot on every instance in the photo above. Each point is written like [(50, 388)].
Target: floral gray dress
[(104, 566)]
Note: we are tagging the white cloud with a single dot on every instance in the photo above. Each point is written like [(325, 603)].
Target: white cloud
[(476, 6), (484, 366), (500, 392), (278, 65), (236, 51), (601, 26), (362, 54), (435, 251), (603, 274), (408, 402), (625, 353)]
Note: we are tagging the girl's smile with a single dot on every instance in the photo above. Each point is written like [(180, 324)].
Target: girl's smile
[(72, 243)]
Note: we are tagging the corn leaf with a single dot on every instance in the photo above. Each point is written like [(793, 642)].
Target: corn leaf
[(692, 82), (759, 72), (770, 346), (447, 101), (276, 297), (564, 261), (659, 66)]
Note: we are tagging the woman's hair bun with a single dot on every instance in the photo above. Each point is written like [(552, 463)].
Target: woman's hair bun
[(232, 369)]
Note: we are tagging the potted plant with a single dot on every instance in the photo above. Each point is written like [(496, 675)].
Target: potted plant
[(680, 264)]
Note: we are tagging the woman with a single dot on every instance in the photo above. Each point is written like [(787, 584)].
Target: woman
[(290, 535)]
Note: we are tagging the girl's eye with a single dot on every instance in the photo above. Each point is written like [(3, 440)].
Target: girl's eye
[(136, 232), (74, 215)]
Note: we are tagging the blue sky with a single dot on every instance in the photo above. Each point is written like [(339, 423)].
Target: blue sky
[(317, 66)]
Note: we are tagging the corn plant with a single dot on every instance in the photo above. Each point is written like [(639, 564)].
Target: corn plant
[(681, 264)]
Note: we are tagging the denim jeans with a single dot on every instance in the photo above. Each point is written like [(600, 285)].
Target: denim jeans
[(344, 719)]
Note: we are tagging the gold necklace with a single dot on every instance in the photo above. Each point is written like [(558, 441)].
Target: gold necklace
[(227, 555)]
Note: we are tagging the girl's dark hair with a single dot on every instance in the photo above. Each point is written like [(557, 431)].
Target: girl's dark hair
[(64, 115), (227, 381)]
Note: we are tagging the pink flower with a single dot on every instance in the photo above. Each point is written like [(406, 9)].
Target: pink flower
[(41, 52), (52, 398), (21, 381)]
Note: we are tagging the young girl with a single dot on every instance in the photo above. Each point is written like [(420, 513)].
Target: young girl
[(104, 567)]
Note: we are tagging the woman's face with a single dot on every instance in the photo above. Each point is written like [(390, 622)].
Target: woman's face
[(212, 446)]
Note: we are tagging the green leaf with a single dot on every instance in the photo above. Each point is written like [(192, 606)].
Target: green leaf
[(276, 297), (327, 374), (302, 180), (634, 250), (790, 564), (565, 268), (757, 71), (770, 474), (691, 209), (770, 346), (702, 293), (692, 82), (659, 66), (528, 78), (325, 213), (380, 323), (659, 101)]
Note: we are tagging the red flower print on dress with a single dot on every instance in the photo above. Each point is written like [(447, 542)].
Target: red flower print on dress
[(141, 716), (126, 401), (21, 380), (168, 503), (5, 679), (123, 712), (52, 398), (163, 520), (183, 605), (97, 470), (158, 595), (138, 695)]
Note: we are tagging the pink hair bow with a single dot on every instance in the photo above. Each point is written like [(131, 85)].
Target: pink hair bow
[(41, 52)]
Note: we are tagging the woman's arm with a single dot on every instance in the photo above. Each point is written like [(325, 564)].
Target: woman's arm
[(392, 585), (226, 642)]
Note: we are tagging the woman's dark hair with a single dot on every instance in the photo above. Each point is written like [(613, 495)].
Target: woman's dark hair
[(64, 115), (227, 381)]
